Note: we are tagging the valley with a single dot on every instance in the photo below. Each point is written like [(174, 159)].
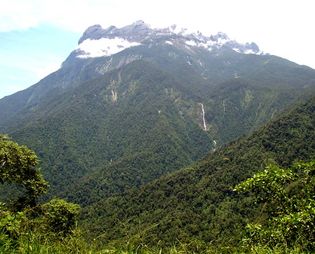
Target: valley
[(150, 129)]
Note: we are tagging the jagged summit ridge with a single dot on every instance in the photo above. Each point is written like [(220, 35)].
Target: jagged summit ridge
[(136, 32), (97, 41)]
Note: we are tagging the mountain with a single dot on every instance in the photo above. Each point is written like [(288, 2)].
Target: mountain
[(104, 42), (196, 205), (132, 104)]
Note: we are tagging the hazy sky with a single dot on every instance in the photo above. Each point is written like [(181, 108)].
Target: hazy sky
[(37, 35)]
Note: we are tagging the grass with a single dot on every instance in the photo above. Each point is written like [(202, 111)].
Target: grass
[(33, 245)]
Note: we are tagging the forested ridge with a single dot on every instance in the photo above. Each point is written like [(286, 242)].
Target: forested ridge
[(180, 143), (87, 134), (90, 122), (200, 209), (198, 203)]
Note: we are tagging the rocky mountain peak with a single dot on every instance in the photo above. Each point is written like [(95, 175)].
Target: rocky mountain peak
[(140, 23), (93, 32), (134, 32), (97, 41)]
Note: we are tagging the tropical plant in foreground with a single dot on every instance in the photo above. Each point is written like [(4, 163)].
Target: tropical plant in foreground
[(287, 198), (23, 217)]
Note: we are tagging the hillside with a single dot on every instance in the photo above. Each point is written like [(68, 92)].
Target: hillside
[(197, 204), (134, 103), (89, 129)]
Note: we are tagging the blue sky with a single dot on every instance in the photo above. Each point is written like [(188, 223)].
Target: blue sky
[(37, 35), (26, 56)]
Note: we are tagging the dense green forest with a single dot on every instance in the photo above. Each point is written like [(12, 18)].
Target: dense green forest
[(253, 195), (89, 137), (198, 203), (88, 127), (23, 219), (183, 143)]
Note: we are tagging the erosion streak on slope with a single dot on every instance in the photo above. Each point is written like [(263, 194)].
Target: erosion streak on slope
[(203, 117)]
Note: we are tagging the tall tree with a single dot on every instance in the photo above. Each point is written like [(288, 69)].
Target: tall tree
[(18, 165)]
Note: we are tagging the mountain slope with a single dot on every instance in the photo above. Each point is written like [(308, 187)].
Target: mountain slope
[(126, 114), (197, 60), (197, 203), (131, 104)]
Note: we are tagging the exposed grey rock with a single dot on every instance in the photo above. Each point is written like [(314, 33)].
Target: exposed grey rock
[(142, 33)]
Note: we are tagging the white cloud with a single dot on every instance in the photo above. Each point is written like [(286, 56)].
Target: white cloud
[(104, 47), (76, 15), (71, 14), (16, 15), (205, 14)]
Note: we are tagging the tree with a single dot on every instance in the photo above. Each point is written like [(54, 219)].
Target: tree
[(60, 216), (287, 198), (18, 165)]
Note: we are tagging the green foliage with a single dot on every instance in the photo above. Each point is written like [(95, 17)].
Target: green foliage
[(72, 122), (288, 195), (91, 147), (268, 185), (18, 166), (10, 227), (118, 156), (60, 216), (22, 221), (197, 204)]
